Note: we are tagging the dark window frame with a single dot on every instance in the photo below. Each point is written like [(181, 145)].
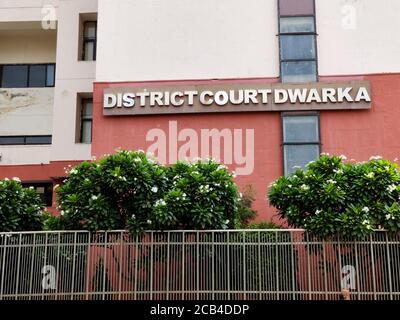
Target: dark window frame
[(299, 143), (314, 34), (29, 65), (47, 197), (86, 40), (24, 140), (84, 119)]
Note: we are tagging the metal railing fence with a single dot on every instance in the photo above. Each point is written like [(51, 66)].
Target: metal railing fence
[(191, 265)]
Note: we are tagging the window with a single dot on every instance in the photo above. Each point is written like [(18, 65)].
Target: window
[(89, 41), (297, 39), (27, 76), (301, 140), (86, 120), (44, 190), (25, 140)]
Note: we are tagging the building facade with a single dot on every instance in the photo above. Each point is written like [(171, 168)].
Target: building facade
[(261, 85)]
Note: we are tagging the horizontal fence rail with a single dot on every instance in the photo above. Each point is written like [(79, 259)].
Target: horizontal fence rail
[(192, 265)]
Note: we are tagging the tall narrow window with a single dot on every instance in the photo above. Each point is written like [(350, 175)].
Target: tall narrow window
[(297, 38), (301, 140), (86, 120), (89, 41)]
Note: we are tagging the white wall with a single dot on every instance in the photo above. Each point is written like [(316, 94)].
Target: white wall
[(358, 36), (11, 155), (181, 39), (26, 111), (72, 77), (28, 46)]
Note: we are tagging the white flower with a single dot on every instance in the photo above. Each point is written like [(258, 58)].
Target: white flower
[(325, 154), (160, 202), (338, 171), (370, 175), (233, 174), (318, 211), (94, 197), (388, 216), (289, 186), (149, 222), (122, 178), (154, 189), (391, 188), (16, 179), (365, 209), (343, 157), (6, 179), (227, 221), (62, 212), (305, 187), (73, 171), (137, 160), (240, 195), (140, 151), (365, 222), (331, 181), (375, 158), (133, 216)]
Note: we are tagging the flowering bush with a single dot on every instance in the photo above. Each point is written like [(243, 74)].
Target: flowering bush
[(128, 190), (201, 195), (331, 197), (20, 208), (117, 191)]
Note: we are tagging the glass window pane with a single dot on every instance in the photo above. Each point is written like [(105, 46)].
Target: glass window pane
[(89, 51), (37, 76), (299, 156), (297, 47), (38, 139), (87, 109), (15, 76), (12, 140), (86, 131), (297, 24), (50, 75), (90, 29), (296, 7), (300, 129), (299, 71)]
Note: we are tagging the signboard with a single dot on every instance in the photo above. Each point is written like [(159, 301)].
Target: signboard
[(236, 98)]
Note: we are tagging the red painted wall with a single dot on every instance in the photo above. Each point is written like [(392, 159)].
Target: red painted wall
[(357, 134)]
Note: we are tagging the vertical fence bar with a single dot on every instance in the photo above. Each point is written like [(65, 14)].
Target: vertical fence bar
[(293, 266), (212, 267), (244, 266), (121, 259), (198, 265), (18, 266), (151, 264), (105, 265), (32, 265), (325, 270), (259, 265), (183, 266), (357, 271), (389, 267), (73, 266), (45, 261), (88, 265), (308, 251), (136, 265), (3, 270), (277, 265), (228, 264), (168, 261)]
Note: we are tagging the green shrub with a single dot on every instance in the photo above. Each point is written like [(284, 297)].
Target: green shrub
[(201, 195), (20, 208), (128, 190), (117, 191), (330, 197)]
